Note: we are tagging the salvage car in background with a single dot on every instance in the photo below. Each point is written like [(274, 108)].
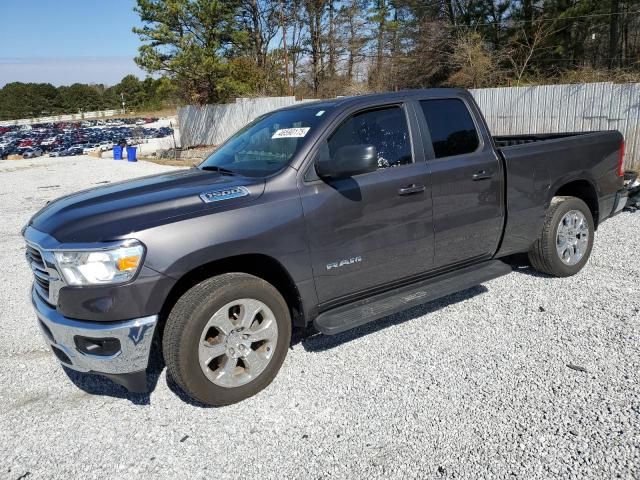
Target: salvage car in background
[(32, 152), (65, 136)]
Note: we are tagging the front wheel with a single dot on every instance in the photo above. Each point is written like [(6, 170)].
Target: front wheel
[(226, 338), (566, 240)]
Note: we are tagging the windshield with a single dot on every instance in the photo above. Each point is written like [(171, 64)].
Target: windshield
[(266, 145)]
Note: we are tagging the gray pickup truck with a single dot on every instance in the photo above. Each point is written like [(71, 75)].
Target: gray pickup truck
[(332, 214)]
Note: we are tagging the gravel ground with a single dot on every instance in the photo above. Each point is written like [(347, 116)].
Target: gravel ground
[(525, 376)]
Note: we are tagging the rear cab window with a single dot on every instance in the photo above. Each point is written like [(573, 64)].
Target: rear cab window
[(452, 129)]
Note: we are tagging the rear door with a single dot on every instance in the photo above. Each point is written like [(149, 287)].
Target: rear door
[(372, 229), (466, 179)]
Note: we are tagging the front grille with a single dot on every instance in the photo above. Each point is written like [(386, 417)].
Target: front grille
[(33, 255), (40, 272)]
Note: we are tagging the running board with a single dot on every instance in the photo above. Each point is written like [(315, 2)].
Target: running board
[(352, 315)]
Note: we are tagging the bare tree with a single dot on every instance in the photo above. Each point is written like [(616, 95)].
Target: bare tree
[(332, 49), (523, 49), (474, 64), (261, 21), (379, 18), (352, 18), (295, 18), (315, 14), (283, 26)]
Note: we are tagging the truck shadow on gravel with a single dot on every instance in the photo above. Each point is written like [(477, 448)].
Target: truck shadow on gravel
[(99, 385), (309, 338), (520, 264), (312, 341)]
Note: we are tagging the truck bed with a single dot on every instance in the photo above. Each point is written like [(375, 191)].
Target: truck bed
[(536, 165)]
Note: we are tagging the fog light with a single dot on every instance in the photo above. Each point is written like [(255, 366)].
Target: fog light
[(103, 347)]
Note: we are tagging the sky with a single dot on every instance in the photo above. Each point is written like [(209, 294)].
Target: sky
[(66, 41)]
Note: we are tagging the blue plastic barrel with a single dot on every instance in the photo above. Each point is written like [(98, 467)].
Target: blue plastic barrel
[(131, 154), (117, 152)]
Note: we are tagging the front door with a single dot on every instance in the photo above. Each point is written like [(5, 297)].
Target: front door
[(375, 228)]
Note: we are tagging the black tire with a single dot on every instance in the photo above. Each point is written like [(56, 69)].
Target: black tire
[(543, 254), (190, 315)]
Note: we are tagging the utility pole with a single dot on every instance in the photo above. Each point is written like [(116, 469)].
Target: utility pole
[(284, 48)]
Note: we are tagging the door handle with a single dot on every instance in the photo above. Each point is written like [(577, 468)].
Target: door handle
[(411, 189), (481, 175)]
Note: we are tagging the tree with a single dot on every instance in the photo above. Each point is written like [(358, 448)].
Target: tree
[(379, 13), (294, 20), (191, 42), (315, 14), (210, 51), (260, 19), (344, 46), (28, 100), (353, 21), (614, 50), (474, 66), (525, 47)]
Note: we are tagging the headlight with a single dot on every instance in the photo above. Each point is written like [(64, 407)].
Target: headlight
[(99, 267)]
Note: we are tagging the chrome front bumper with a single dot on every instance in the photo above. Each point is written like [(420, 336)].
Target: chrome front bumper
[(135, 338)]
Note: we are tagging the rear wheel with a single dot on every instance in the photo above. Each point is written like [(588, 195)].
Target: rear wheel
[(226, 338), (565, 244)]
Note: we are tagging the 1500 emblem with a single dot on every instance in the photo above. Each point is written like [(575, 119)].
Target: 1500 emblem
[(342, 263), (225, 194)]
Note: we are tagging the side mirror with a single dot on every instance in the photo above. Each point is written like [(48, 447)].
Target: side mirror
[(348, 161)]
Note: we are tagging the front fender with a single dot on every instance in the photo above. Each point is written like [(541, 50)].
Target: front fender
[(272, 227)]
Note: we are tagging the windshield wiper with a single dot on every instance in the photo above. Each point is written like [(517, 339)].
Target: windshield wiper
[(215, 168)]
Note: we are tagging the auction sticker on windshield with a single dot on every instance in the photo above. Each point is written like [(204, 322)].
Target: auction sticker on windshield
[(291, 132)]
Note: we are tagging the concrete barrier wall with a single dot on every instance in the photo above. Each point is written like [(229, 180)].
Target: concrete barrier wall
[(212, 124)]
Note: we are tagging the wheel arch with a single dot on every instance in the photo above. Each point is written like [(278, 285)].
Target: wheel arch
[(262, 266), (585, 191)]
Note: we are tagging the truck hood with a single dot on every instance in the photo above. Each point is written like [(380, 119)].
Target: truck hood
[(120, 209)]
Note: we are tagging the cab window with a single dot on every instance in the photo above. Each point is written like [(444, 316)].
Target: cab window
[(384, 128), (451, 127)]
